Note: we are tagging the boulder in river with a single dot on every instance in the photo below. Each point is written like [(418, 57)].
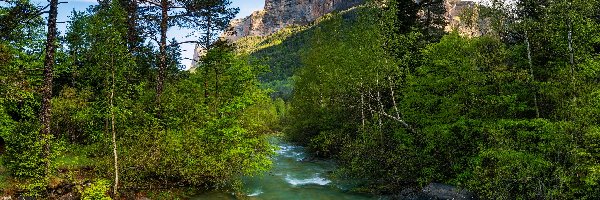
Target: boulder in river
[(443, 191), (433, 191)]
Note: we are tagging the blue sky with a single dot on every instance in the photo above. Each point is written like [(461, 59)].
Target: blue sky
[(64, 11)]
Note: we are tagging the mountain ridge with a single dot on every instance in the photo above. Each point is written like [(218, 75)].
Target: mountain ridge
[(279, 14)]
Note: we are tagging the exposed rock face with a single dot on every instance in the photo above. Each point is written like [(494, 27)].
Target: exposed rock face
[(463, 16), (278, 14)]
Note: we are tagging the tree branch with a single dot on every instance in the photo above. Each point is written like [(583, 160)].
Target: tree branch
[(398, 119), (151, 2), (185, 42)]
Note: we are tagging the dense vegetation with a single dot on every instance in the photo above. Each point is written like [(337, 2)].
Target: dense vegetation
[(110, 122), (510, 114)]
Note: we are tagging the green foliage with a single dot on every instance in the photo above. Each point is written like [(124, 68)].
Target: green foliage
[(195, 140), (72, 156), (521, 159), (19, 21), (75, 118), (201, 141), (20, 50), (512, 114), (283, 51), (97, 190), (346, 71), (398, 108), (23, 147)]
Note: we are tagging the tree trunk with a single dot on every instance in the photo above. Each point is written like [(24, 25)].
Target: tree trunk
[(394, 98), (163, 50), (45, 115), (379, 102), (132, 36), (206, 46), (362, 105), (571, 59), (114, 134), (531, 75)]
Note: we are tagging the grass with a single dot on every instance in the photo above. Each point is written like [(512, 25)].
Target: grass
[(71, 161), (65, 163), (75, 157)]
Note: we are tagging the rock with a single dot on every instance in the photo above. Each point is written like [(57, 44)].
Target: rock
[(443, 191), (405, 194), (278, 14), (68, 196), (433, 191), (455, 11), (6, 198)]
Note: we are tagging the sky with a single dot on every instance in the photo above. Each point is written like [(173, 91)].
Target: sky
[(64, 11)]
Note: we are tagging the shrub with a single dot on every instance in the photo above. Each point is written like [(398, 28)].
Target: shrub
[(96, 191)]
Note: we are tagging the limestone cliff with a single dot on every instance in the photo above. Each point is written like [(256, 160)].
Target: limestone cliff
[(463, 16), (279, 14)]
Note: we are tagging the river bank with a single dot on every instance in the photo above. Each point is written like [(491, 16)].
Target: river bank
[(293, 177)]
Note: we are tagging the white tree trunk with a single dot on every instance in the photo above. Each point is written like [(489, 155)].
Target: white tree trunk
[(531, 75), (114, 134)]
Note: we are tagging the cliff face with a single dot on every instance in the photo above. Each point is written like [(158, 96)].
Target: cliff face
[(278, 14), (463, 16)]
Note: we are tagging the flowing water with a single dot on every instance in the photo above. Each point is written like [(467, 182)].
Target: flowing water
[(292, 178)]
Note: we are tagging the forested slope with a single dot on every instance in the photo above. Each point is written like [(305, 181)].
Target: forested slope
[(282, 51), (512, 114)]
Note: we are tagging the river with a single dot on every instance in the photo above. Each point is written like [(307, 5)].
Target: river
[(292, 178)]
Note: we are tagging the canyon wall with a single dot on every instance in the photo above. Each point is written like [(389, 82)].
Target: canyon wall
[(279, 14)]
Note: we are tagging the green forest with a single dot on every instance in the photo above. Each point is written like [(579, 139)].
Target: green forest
[(107, 110)]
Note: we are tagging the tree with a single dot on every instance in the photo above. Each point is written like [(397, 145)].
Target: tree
[(428, 16), (109, 30), (16, 17), (530, 13), (165, 14), (133, 30), (45, 115), (216, 17)]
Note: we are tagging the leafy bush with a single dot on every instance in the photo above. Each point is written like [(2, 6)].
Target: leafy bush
[(24, 151), (96, 191), (74, 118)]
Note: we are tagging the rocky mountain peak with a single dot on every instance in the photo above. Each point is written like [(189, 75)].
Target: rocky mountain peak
[(278, 14)]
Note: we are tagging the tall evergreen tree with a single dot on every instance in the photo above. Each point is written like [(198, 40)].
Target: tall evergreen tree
[(45, 115), (165, 14)]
